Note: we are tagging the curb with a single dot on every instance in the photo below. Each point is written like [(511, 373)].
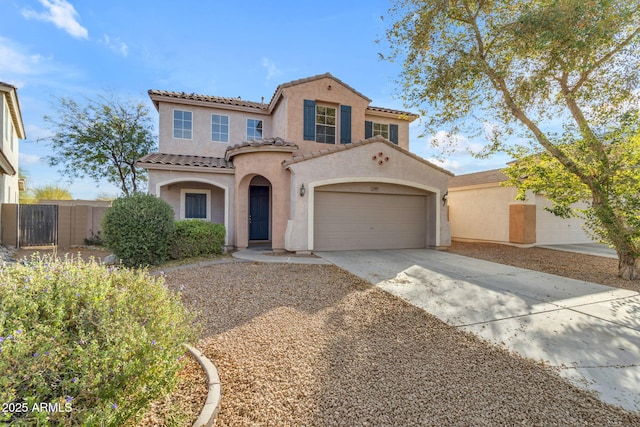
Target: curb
[(212, 404)]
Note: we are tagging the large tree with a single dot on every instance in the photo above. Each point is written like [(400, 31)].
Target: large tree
[(563, 73), (102, 138)]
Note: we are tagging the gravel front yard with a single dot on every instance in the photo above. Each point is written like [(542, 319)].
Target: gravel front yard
[(316, 346)]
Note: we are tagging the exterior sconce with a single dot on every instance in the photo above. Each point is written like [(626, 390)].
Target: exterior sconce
[(302, 190), (445, 197)]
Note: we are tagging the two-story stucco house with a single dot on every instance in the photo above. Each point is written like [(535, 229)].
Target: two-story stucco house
[(12, 130), (315, 168)]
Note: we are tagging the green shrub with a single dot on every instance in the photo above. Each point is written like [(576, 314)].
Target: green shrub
[(138, 229), (194, 237), (93, 344)]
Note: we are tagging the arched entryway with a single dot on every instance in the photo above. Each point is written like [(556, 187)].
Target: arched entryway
[(259, 209)]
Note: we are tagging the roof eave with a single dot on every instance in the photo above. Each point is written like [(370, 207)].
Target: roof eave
[(183, 168), (157, 98), (261, 149), (400, 115), (14, 109)]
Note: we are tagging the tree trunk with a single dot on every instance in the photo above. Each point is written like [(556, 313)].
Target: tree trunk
[(628, 266)]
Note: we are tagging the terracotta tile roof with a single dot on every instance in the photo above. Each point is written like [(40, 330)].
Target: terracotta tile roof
[(342, 147), (210, 99), (184, 160), (411, 116), (276, 142), (256, 145), (478, 178), (238, 102)]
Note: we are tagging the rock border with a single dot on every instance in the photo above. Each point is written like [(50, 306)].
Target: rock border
[(211, 406)]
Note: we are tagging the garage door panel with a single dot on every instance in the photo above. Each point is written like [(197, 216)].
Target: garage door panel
[(344, 221)]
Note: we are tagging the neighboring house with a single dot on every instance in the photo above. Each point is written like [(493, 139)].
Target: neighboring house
[(12, 130), (481, 209), (315, 168)]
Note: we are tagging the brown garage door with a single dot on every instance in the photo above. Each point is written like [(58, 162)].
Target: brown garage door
[(348, 221)]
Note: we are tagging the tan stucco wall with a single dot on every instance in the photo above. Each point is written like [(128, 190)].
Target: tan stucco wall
[(201, 144), (318, 90), (357, 165), (269, 166), (480, 213), (167, 184), (403, 126), (285, 121)]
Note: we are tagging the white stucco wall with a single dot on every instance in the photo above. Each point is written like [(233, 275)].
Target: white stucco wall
[(9, 144), (551, 229)]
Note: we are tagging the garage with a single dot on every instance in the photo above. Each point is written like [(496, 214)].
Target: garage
[(370, 216)]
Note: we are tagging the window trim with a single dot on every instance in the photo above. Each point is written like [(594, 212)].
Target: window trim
[(373, 129), (183, 201), (335, 126), (228, 127), (173, 124), (247, 128)]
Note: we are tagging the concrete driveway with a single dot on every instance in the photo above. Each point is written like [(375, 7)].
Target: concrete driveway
[(590, 332)]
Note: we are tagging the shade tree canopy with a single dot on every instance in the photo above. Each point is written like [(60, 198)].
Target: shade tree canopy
[(555, 81), (102, 138)]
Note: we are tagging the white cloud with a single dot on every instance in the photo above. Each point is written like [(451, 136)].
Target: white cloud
[(116, 45), (13, 60), (36, 133), (28, 159), (272, 69), (454, 143), (451, 165), (62, 14)]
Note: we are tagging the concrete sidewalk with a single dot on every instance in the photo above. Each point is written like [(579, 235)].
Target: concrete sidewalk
[(590, 332), (265, 254)]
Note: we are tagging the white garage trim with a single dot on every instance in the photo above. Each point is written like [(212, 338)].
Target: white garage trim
[(312, 187), (205, 181)]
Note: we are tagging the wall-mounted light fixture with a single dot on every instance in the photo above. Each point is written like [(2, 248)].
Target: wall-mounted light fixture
[(302, 190), (445, 197)]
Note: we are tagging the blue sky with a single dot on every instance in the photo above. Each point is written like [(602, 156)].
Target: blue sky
[(73, 48)]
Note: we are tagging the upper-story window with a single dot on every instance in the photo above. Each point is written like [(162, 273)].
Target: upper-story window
[(219, 128), (381, 129), (254, 129), (182, 124), (388, 131), (325, 124)]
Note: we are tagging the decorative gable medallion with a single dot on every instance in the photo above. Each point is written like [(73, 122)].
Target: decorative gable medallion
[(380, 158)]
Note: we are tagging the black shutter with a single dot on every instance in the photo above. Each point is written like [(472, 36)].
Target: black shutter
[(309, 120), (345, 124), (368, 130), (393, 134)]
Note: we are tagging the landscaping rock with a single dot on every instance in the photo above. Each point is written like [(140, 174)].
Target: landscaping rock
[(110, 260), (7, 254)]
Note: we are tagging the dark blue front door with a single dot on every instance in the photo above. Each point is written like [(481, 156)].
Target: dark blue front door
[(258, 213)]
